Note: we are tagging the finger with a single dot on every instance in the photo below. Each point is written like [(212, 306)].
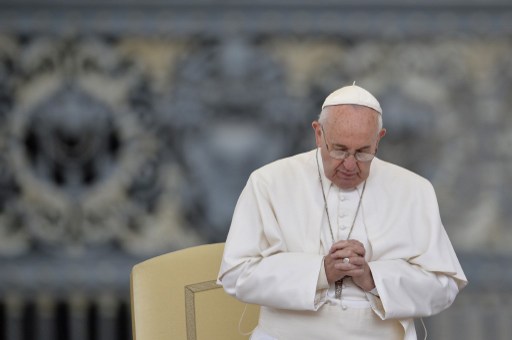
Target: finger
[(353, 245), (345, 243), (348, 249), (355, 242), (357, 260), (354, 272), (349, 265), (341, 254), (332, 273), (357, 246), (347, 252), (338, 246)]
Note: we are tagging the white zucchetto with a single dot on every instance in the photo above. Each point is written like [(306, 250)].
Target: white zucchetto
[(352, 94)]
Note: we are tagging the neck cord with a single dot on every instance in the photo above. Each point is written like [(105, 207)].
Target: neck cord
[(338, 285)]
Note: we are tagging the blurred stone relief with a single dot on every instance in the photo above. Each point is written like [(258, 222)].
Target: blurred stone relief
[(118, 144)]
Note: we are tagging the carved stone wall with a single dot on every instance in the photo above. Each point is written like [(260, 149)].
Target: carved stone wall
[(128, 130)]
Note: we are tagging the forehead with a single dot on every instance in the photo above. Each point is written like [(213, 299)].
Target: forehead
[(344, 123)]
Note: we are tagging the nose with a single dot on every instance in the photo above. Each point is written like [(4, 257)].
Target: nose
[(350, 163)]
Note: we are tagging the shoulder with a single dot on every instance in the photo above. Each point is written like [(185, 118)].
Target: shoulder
[(286, 177), (392, 175), (286, 169), (394, 186)]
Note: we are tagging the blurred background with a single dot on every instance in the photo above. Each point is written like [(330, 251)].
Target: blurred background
[(128, 129)]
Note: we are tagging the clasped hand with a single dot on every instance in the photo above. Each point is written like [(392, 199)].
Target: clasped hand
[(356, 267)]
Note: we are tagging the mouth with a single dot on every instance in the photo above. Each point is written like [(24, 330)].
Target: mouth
[(347, 174)]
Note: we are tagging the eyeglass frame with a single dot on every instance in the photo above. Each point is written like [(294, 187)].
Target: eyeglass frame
[(341, 155)]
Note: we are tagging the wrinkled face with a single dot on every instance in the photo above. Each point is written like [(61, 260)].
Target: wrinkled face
[(348, 128)]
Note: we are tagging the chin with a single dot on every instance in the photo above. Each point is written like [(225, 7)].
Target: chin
[(348, 184)]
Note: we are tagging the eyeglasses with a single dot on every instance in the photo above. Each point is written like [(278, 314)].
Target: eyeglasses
[(342, 154)]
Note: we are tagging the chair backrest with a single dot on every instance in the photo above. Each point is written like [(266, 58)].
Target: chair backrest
[(175, 296)]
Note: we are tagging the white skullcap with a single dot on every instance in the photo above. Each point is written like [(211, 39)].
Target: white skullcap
[(352, 94)]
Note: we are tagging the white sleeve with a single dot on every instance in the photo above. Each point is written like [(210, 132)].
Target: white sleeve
[(258, 268), (283, 280), (406, 290)]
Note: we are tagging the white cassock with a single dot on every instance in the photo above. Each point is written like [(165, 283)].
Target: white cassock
[(274, 251)]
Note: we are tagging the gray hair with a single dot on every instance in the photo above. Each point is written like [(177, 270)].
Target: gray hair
[(322, 117)]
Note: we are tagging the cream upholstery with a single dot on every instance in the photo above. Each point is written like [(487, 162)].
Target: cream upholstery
[(174, 296)]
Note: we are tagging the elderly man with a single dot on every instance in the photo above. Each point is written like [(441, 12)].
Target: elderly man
[(335, 243)]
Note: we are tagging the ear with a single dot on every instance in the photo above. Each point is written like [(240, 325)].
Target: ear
[(382, 133), (318, 132)]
